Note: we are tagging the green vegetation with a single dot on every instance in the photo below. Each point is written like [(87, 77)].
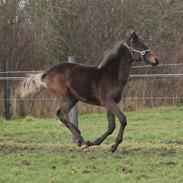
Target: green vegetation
[(40, 150)]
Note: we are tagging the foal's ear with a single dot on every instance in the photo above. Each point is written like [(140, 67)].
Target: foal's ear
[(135, 37), (132, 36)]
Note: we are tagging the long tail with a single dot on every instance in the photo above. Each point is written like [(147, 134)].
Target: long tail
[(32, 84)]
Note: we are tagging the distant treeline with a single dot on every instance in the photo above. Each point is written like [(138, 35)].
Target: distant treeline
[(37, 34)]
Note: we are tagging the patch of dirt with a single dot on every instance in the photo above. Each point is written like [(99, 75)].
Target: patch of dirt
[(162, 151), (26, 162), (142, 177), (167, 152), (92, 167), (131, 150), (127, 150), (18, 148), (180, 142), (86, 171), (14, 149), (127, 169), (66, 162), (168, 163), (141, 150), (92, 157), (89, 169)]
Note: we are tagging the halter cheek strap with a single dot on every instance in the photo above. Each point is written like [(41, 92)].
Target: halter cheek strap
[(142, 53)]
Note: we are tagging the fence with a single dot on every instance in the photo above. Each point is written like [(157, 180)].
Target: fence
[(11, 76), (131, 76)]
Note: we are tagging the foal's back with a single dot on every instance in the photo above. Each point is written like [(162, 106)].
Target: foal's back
[(77, 80)]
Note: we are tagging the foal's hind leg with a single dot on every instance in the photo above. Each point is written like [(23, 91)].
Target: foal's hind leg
[(63, 114), (111, 127), (112, 106)]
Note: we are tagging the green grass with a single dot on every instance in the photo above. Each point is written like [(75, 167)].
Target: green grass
[(40, 150)]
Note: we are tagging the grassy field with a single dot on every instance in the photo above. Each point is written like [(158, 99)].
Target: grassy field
[(40, 150)]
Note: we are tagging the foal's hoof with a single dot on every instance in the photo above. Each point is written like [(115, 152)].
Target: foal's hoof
[(113, 148), (88, 143), (85, 148), (79, 142)]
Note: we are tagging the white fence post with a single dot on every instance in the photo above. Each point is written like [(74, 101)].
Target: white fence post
[(73, 112)]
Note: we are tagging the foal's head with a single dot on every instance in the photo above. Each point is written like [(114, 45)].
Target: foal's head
[(140, 51)]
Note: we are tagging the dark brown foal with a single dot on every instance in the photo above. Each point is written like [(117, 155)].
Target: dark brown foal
[(102, 85)]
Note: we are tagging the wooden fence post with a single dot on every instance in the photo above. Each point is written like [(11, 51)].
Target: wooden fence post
[(7, 88), (73, 112)]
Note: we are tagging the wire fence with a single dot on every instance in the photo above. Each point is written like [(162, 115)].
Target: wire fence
[(155, 75), (11, 78), (124, 98), (131, 76), (133, 67), (177, 75), (160, 65)]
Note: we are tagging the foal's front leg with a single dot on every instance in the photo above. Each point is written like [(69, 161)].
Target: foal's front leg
[(111, 127), (112, 106)]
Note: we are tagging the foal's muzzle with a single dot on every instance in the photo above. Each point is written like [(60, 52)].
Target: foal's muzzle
[(151, 58)]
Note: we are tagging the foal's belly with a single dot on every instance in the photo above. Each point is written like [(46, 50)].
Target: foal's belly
[(85, 95), (88, 98), (91, 101)]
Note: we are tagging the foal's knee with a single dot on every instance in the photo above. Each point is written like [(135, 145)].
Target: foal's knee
[(123, 121), (61, 116), (111, 129)]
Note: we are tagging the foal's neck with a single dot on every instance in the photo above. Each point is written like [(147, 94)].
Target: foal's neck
[(118, 63), (124, 64)]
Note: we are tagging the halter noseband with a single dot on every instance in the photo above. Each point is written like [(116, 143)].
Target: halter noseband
[(142, 53)]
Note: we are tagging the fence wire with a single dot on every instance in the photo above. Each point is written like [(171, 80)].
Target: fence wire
[(125, 98), (133, 67), (131, 76)]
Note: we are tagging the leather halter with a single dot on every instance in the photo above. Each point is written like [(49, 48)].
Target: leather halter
[(142, 53)]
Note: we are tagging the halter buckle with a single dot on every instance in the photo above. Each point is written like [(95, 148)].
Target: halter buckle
[(142, 53)]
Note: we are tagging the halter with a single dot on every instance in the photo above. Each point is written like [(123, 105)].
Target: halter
[(142, 53)]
